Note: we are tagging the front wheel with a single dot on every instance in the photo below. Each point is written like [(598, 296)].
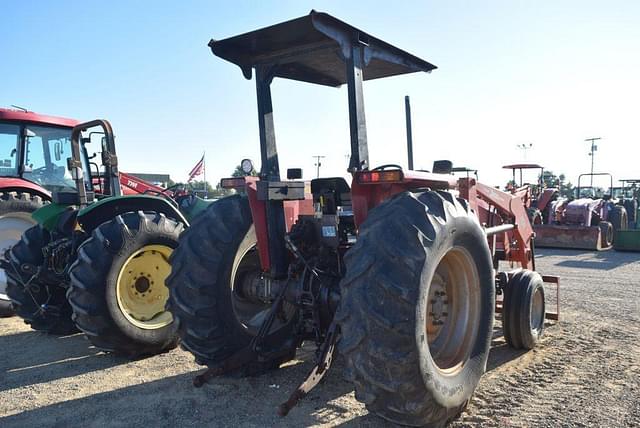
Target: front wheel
[(117, 289), (524, 310), (417, 308)]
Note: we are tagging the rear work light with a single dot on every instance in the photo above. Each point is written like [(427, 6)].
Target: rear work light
[(232, 183), (370, 177)]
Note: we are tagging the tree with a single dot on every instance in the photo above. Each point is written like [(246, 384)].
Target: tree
[(549, 179), (567, 190)]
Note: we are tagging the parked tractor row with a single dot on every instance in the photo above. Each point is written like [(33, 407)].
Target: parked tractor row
[(593, 219)]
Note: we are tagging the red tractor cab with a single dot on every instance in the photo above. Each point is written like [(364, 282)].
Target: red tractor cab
[(33, 155)]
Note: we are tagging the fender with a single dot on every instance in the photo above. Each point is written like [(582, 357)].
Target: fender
[(11, 184), (97, 213), (192, 205), (49, 215)]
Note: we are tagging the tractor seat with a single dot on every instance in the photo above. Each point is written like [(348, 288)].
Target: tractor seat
[(333, 189)]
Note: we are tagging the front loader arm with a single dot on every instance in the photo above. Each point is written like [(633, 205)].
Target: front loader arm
[(510, 205)]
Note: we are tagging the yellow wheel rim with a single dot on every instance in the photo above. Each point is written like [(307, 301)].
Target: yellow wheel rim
[(140, 290)]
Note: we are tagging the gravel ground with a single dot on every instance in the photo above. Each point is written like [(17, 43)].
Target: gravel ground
[(585, 373)]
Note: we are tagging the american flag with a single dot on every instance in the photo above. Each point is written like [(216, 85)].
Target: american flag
[(197, 170)]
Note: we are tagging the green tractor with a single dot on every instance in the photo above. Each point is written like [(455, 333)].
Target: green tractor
[(627, 195), (97, 259)]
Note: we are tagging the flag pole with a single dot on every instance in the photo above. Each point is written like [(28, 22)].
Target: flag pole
[(204, 175)]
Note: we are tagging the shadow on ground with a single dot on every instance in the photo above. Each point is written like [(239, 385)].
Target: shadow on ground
[(171, 401), (174, 401), (32, 357), (581, 259)]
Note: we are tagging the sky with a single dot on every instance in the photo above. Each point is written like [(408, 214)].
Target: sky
[(545, 73)]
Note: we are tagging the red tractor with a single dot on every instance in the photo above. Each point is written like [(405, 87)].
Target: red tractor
[(589, 222), (33, 156), (398, 270), (537, 196)]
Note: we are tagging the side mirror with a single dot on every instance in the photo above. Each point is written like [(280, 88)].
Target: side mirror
[(294, 173)]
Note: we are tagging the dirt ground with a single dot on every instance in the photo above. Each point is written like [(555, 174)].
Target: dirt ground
[(585, 373)]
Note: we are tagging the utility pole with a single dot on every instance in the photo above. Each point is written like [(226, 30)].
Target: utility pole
[(318, 164), (594, 148), (524, 147)]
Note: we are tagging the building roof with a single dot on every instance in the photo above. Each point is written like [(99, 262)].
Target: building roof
[(152, 178)]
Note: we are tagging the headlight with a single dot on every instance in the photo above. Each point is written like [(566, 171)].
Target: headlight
[(247, 166)]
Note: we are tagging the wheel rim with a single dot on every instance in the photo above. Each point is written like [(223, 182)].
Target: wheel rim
[(140, 290), (249, 311), (536, 316), (453, 311), (12, 226)]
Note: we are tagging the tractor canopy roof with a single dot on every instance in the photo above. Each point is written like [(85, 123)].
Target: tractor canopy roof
[(522, 166), (463, 169), (31, 117), (313, 49)]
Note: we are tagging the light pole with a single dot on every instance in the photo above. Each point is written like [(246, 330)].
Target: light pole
[(318, 164), (592, 153), (524, 147)]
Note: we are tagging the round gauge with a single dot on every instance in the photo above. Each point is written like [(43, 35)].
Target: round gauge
[(246, 165)]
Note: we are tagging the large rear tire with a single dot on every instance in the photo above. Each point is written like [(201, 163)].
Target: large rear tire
[(15, 219), (417, 308), (618, 218), (535, 216), (631, 206), (117, 289), (214, 321), (41, 301)]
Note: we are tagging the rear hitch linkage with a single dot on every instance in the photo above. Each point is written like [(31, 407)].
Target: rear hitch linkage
[(324, 357)]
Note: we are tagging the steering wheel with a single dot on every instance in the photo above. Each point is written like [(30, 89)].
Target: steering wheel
[(387, 166), (177, 186)]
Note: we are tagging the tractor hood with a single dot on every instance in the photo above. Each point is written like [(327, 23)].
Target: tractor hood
[(313, 49), (580, 211)]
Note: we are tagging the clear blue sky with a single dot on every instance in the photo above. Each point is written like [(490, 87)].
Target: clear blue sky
[(551, 73)]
